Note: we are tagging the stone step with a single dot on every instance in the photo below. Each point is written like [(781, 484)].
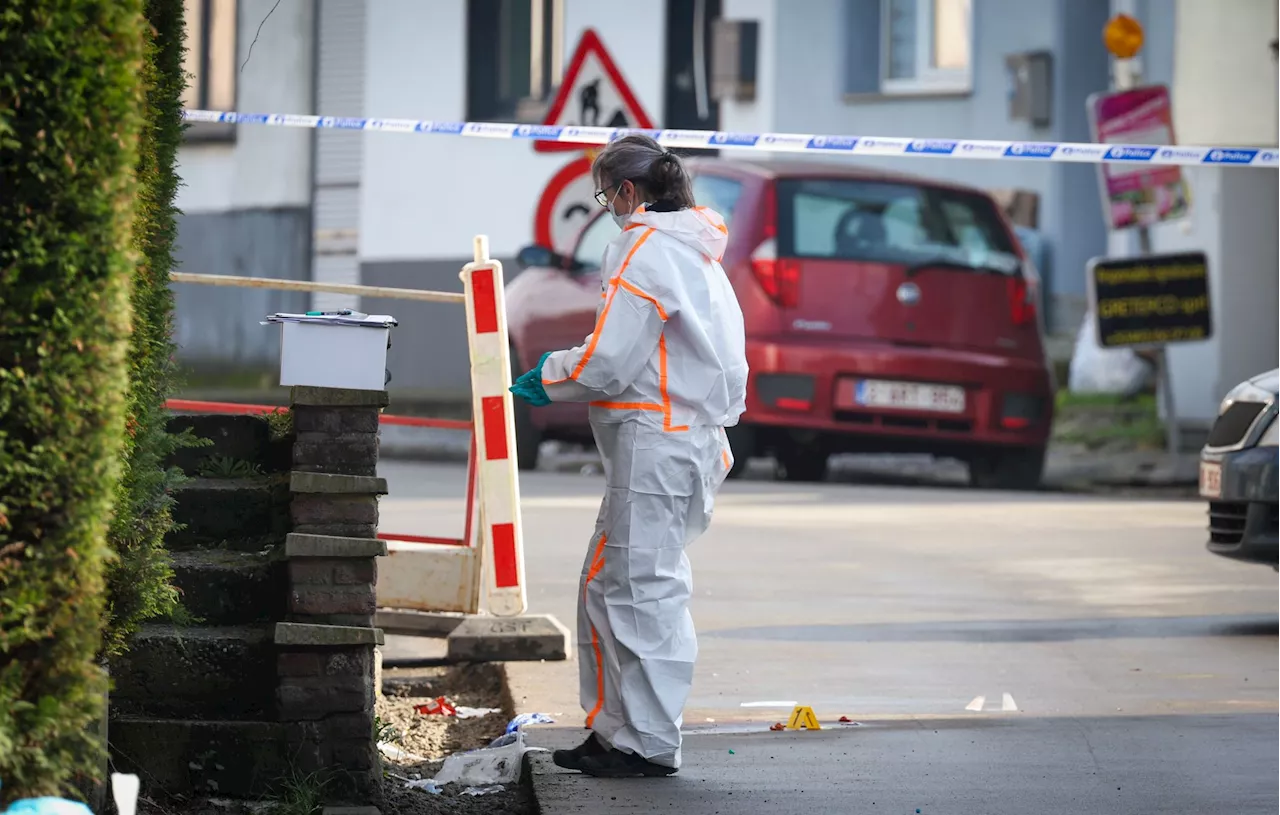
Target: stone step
[(244, 439), (238, 759), (200, 672), (243, 514), (222, 587)]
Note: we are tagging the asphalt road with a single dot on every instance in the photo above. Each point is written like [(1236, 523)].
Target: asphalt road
[(999, 652)]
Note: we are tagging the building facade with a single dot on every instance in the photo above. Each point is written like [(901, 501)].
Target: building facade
[(400, 209)]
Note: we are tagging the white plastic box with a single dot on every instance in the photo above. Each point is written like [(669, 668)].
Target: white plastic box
[(334, 354)]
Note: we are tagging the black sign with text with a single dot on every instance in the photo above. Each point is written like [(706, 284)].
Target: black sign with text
[(1152, 300)]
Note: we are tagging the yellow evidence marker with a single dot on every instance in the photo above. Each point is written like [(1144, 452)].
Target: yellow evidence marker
[(802, 718)]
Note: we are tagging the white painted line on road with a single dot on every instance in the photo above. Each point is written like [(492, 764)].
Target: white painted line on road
[(1009, 704), (976, 704), (768, 704)]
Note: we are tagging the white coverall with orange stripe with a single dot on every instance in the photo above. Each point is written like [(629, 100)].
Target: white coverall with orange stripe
[(665, 372)]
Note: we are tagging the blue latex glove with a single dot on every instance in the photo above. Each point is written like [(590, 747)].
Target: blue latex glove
[(529, 385)]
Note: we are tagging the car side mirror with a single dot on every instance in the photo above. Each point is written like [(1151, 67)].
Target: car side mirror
[(539, 256)]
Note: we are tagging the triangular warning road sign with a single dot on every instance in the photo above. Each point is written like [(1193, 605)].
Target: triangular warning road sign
[(593, 94), (802, 718)]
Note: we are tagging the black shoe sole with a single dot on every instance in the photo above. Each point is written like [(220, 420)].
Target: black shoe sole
[(652, 771)]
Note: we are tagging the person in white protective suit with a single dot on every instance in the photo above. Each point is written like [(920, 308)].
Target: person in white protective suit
[(665, 372)]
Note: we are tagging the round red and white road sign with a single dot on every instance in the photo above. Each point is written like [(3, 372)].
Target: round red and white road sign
[(565, 206)]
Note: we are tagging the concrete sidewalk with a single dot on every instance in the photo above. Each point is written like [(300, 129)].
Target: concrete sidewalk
[(1068, 468), (973, 765)]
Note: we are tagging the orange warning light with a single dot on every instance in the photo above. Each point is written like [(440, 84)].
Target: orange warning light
[(1123, 36)]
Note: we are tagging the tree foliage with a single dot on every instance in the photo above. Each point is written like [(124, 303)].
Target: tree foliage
[(140, 579), (70, 113)]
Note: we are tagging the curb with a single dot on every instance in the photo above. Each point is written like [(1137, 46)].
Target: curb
[(1065, 470)]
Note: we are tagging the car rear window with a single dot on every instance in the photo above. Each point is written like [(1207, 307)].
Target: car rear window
[(842, 219), (721, 194)]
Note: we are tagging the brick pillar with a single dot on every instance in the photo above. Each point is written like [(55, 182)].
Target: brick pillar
[(325, 650)]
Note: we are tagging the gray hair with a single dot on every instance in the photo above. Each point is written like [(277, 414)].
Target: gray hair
[(647, 164)]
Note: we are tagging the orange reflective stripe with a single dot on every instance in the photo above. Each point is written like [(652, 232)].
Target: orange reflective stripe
[(662, 387), (639, 292), (597, 563), (595, 335), (628, 405), (599, 680), (724, 454), (703, 212)]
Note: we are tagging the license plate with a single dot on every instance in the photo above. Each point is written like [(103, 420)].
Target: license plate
[(879, 393), (1210, 480)]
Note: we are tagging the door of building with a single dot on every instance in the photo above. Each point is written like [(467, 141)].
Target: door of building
[(687, 79)]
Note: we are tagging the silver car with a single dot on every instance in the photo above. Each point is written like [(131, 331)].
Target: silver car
[(1238, 472)]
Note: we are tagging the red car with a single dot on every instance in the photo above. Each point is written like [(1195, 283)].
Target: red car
[(884, 313)]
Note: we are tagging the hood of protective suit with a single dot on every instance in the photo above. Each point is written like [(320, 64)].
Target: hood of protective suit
[(700, 228)]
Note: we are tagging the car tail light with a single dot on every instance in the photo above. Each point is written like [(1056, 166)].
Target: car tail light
[(780, 279), (1022, 303)]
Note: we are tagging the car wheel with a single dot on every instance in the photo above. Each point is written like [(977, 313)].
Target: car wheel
[(1008, 470), (528, 437), (803, 465)]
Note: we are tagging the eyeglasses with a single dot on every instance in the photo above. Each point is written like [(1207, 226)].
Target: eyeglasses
[(602, 196)]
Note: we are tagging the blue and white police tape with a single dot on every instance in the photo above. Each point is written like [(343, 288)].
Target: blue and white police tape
[(1075, 152)]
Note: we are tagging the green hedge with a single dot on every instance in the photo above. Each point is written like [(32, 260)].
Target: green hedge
[(139, 581), (70, 105)]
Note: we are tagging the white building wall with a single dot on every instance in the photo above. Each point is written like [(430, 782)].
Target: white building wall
[(760, 114), (1224, 92), (810, 98), (424, 197), (265, 167)]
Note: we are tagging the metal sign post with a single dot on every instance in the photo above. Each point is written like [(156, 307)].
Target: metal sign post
[(1123, 37)]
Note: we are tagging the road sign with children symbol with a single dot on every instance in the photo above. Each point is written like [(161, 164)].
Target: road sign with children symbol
[(593, 94)]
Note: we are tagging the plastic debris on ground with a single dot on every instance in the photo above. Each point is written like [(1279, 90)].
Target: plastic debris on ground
[(394, 752), (124, 790), (490, 790), (1095, 369), (483, 769), (463, 712), (425, 784), (486, 766), (439, 706), (778, 726), (525, 719)]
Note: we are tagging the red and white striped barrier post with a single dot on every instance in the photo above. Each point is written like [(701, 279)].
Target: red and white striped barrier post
[(501, 536)]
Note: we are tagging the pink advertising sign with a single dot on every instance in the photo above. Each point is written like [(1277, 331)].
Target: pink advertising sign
[(1138, 194)]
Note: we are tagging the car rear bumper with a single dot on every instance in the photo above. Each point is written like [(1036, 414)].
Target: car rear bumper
[(989, 383), (1243, 521)]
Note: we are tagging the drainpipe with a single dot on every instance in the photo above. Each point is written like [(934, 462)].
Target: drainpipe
[(316, 11)]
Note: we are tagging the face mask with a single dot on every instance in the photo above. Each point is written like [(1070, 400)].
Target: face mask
[(620, 220)]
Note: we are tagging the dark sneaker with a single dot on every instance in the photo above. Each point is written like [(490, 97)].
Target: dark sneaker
[(617, 764), (572, 759)]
